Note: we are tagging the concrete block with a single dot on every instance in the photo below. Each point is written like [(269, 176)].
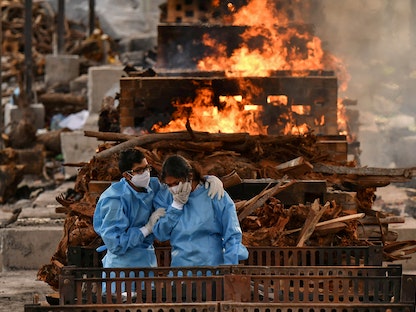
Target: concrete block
[(61, 69), (29, 247), (76, 148), (102, 81), (13, 114), (92, 122)]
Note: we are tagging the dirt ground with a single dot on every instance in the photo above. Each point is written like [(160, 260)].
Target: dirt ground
[(18, 288)]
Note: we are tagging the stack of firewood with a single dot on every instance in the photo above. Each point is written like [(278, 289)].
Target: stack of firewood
[(76, 40), (265, 220), (13, 37)]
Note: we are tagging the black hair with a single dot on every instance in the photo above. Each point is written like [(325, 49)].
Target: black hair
[(128, 158), (178, 167)]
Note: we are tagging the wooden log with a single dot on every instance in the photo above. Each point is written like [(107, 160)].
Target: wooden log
[(399, 250), (315, 213), (385, 220), (196, 147), (402, 245), (330, 228), (33, 159), (109, 136), (138, 141), (261, 198), (10, 177), (297, 166), (399, 173), (181, 136), (231, 179), (51, 140), (323, 223), (57, 99)]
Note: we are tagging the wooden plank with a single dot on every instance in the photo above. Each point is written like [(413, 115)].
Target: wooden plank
[(249, 206), (312, 220), (387, 220), (323, 223), (407, 173), (297, 166)]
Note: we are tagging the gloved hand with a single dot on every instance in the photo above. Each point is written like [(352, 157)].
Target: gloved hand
[(159, 212), (215, 187), (181, 195)]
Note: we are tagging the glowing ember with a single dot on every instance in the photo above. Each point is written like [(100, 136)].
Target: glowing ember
[(298, 130), (301, 109), (277, 100)]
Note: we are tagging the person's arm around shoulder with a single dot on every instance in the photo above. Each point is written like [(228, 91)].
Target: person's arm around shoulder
[(214, 186)]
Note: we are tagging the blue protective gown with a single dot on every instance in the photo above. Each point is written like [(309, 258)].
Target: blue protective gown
[(118, 217), (205, 232)]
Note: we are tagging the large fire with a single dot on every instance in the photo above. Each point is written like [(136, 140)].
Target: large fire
[(281, 45), (235, 115)]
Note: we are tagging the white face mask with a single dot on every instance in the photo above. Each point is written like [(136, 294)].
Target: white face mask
[(141, 180)]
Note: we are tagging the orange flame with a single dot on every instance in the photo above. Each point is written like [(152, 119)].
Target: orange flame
[(280, 46), (284, 47), (235, 114), (343, 125)]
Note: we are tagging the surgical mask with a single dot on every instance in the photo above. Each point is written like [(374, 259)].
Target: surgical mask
[(141, 180)]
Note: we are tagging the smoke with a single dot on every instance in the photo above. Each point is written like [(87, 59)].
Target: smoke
[(375, 39)]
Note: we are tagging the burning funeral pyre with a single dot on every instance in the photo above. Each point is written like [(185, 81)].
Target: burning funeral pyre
[(251, 97)]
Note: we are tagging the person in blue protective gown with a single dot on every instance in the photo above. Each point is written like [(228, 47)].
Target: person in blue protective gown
[(202, 231), (124, 214), (124, 217)]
